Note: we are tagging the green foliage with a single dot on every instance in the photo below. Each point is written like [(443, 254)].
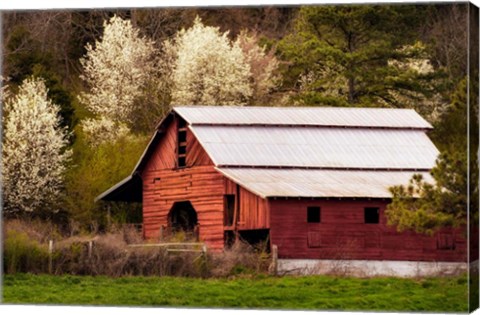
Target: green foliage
[(94, 170), (350, 55), (28, 58), (423, 207), (58, 94), (427, 207), (23, 254), (447, 294)]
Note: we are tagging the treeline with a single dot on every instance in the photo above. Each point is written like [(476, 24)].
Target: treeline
[(111, 75)]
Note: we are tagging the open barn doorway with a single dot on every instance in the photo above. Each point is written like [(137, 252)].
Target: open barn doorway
[(182, 217)]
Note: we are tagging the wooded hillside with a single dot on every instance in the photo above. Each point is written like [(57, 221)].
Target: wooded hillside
[(113, 74)]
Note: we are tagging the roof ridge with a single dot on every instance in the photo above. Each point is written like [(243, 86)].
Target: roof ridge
[(323, 168), (306, 125), (292, 107)]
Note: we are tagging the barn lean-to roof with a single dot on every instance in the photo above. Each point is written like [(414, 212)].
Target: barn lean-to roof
[(319, 183), (307, 152)]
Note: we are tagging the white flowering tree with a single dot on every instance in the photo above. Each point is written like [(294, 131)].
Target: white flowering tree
[(209, 69), (119, 70), (34, 155), (263, 66)]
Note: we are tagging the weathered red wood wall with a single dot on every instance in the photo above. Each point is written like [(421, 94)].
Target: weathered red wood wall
[(342, 234), (197, 182), (253, 210)]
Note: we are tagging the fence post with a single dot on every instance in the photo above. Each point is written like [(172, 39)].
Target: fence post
[(274, 265), (196, 232), (161, 233), (50, 256), (90, 249), (204, 253)]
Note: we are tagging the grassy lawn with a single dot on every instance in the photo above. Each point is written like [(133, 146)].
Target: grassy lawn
[(312, 292)]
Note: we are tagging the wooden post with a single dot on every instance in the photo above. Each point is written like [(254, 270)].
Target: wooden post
[(196, 232), (204, 253), (90, 249), (273, 268), (236, 213), (161, 233), (50, 256), (109, 217)]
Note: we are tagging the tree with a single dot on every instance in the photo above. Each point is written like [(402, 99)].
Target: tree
[(345, 55), (34, 155), (31, 50), (425, 207), (121, 74), (263, 67), (94, 170), (209, 69)]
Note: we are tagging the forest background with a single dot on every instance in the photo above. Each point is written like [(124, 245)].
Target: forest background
[(111, 75)]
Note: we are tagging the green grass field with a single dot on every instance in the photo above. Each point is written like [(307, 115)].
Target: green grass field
[(313, 292)]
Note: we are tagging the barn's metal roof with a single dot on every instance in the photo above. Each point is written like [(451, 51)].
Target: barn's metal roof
[(351, 152), (319, 183), (306, 116), (272, 146)]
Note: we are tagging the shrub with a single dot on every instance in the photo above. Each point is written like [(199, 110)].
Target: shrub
[(240, 259), (26, 250), (22, 254)]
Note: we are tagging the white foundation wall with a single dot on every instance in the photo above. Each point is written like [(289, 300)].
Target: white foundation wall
[(369, 268)]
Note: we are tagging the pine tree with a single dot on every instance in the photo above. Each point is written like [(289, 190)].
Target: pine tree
[(426, 207), (356, 56)]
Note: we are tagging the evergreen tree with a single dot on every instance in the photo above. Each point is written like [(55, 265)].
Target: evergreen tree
[(356, 55), (426, 207), (26, 57)]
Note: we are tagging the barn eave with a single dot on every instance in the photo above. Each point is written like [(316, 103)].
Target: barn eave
[(128, 189)]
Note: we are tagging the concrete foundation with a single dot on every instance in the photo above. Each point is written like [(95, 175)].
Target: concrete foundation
[(370, 268)]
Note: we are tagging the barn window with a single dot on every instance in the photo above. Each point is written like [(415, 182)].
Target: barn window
[(229, 209), (372, 215), (182, 150), (313, 214), (182, 136), (181, 142), (445, 241)]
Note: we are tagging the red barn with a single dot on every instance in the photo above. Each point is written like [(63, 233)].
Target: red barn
[(313, 180)]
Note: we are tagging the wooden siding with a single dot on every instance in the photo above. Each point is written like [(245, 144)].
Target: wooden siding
[(342, 234), (164, 155), (198, 182), (253, 212), (196, 155)]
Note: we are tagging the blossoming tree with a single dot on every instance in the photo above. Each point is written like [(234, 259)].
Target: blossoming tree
[(34, 155), (209, 69)]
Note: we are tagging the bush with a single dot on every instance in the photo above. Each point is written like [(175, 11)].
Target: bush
[(22, 254), (26, 250), (240, 259)]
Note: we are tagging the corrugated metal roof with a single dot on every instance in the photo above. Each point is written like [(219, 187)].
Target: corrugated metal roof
[(317, 147), (313, 116), (319, 183)]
